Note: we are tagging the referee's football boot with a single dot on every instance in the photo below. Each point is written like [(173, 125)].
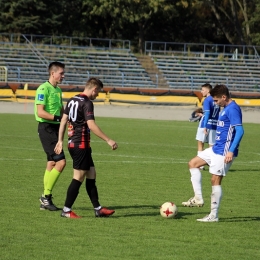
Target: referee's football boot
[(193, 202), (69, 214), (103, 212), (46, 203), (42, 207)]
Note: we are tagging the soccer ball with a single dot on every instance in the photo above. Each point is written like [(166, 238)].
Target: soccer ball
[(168, 210)]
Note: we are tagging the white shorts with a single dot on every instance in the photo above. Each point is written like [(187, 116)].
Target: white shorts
[(209, 138), (215, 162)]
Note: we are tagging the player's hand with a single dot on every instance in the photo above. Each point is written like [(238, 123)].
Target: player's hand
[(228, 157), (112, 144), (58, 148), (205, 131)]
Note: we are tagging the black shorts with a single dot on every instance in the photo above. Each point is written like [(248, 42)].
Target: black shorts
[(82, 159), (48, 134)]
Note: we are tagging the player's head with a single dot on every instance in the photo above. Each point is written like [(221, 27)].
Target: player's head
[(93, 87), (205, 89), (56, 72), (220, 94)]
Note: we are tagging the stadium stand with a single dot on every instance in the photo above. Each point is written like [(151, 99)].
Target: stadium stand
[(118, 69), (26, 62), (191, 72), (188, 65)]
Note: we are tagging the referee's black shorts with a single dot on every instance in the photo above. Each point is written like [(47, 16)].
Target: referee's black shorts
[(82, 159), (48, 134)]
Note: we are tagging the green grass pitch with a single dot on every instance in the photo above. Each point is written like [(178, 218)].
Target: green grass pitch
[(149, 168)]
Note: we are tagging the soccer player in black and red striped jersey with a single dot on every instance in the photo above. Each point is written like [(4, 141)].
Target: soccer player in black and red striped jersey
[(79, 115)]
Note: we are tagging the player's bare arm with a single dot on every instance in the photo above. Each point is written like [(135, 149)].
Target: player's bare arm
[(59, 145), (98, 132), (44, 114)]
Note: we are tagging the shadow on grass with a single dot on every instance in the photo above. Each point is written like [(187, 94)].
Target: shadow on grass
[(234, 170), (242, 170), (143, 211), (239, 219)]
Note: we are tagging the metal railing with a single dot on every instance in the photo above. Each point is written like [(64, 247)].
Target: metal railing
[(191, 82), (3, 73), (201, 50), (17, 74), (95, 43), (36, 52), (169, 49)]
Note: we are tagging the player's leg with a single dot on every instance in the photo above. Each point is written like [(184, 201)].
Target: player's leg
[(196, 179), (51, 179), (91, 187), (92, 192), (80, 167), (200, 150), (49, 167), (72, 193), (55, 163), (44, 141), (216, 194), (201, 138), (218, 169), (200, 147), (216, 197), (54, 174)]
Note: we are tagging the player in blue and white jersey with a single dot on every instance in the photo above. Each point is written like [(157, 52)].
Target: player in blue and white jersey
[(206, 131), (220, 157)]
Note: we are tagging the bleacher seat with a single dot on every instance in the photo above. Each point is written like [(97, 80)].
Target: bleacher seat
[(191, 72), (114, 69), (122, 68)]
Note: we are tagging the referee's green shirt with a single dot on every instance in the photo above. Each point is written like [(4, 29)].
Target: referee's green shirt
[(51, 98)]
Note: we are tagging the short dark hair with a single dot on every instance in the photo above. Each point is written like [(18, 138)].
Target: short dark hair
[(94, 82), (219, 90), (207, 85), (54, 65)]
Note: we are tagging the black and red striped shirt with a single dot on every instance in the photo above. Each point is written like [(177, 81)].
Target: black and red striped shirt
[(79, 109)]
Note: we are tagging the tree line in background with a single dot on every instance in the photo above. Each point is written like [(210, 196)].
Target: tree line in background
[(234, 22)]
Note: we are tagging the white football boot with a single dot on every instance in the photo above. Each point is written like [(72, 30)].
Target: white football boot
[(193, 202), (208, 218)]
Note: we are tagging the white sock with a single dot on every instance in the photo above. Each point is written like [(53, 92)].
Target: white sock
[(98, 208), (216, 197), (66, 209), (196, 179)]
